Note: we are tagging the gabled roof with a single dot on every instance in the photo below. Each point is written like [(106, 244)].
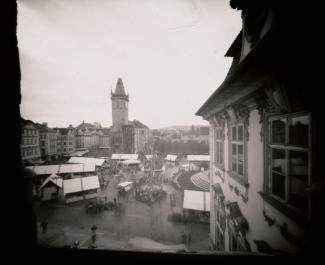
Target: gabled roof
[(85, 125), (54, 179), (44, 128), (25, 122), (105, 131), (63, 131)]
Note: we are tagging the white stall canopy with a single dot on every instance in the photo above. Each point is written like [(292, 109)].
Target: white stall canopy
[(87, 160), (80, 184), (124, 156), (196, 200), (198, 158), (171, 158), (131, 161)]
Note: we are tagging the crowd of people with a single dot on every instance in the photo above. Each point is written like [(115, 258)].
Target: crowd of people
[(149, 193)]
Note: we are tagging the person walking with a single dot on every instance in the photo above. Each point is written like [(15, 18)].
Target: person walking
[(44, 225), (183, 236), (189, 239), (94, 235)]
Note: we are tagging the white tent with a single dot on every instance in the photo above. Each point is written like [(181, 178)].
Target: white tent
[(80, 184), (72, 185), (124, 184), (63, 169), (171, 158), (131, 161), (87, 160), (89, 183), (124, 156), (198, 158), (196, 200), (54, 179)]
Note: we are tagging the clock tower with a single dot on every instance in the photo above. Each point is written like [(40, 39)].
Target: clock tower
[(120, 112)]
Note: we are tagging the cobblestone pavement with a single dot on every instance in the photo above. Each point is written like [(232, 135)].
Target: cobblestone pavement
[(70, 222)]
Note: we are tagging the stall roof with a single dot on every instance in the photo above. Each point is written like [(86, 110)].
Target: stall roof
[(72, 185), (171, 158), (80, 184), (124, 184), (149, 157), (124, 156), (131, 161), (89, 183), (87, 160), (79, 153), (63, 169), (196, 200), (198, 158), (54, 179)]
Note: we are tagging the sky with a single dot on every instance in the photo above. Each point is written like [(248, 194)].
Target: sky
[(169, 54)]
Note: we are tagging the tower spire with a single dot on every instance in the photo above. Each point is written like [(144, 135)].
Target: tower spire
[(120, 90)]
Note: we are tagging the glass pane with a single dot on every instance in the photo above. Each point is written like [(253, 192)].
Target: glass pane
[(221, 153), (240, 133), (278, 160), (240, 159), (278, 185), (298, 172), (234, 133), (298, 130), (234, 157), (217, 151), (278, 131)]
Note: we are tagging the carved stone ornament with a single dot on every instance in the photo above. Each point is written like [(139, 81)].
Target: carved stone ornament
[(242, 112), (277, 97), (220, 176), (262, 104), (231, 114)]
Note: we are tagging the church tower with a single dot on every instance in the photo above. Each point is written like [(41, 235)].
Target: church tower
[(120, 112)]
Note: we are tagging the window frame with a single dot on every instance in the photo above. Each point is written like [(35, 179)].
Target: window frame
[(280, 203), (242, 179), (219, 141)]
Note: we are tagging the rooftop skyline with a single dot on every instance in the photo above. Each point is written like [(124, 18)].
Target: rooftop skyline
[(169, 54)]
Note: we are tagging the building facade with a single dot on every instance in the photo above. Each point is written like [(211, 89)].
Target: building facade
[(104, 137), (128, 138), (141, 137), (48, 142), (66, 140), (262, 137), (30, 149)]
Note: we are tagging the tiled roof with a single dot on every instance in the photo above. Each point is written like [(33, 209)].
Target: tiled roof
[(84, 125), (24, 122), (138, 124), (63, 131)]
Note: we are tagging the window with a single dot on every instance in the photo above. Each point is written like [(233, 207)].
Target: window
[(289, 155), (219, 146), (237, 149), (220, 221)]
